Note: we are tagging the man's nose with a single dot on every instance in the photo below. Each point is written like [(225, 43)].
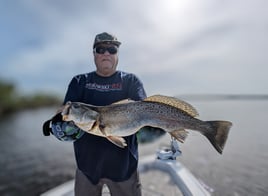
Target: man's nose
[(106, 52)]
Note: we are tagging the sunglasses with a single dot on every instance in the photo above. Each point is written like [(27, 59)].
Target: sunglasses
[(102, 49)]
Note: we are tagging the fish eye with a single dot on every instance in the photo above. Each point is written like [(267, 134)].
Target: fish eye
[(75, 106)]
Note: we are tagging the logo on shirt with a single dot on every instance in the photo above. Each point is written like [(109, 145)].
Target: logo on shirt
[(104, 87)]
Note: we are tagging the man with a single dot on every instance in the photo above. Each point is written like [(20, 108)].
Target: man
[(98, 160)]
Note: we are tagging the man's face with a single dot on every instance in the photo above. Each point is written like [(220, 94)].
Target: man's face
[(106, 59)]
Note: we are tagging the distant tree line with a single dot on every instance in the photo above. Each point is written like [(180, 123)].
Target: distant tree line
[(11, 101)]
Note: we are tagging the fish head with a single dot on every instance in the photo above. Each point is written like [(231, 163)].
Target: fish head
[(81, 114)]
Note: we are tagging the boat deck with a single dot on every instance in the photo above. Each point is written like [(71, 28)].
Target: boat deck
[(158, 183), (158, 178)]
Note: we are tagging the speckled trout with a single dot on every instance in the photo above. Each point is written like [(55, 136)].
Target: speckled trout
[(126, 117)]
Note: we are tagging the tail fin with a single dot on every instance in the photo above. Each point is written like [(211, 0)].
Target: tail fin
[(219, 135)]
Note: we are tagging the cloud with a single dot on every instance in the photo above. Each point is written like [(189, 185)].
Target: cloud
[(174, 46)]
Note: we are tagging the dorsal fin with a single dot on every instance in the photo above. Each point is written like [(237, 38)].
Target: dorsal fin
[(172, 101)]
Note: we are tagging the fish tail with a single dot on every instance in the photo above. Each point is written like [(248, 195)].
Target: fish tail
[(219, 135)]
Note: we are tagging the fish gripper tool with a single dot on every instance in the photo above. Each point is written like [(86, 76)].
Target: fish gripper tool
[(170, 153)]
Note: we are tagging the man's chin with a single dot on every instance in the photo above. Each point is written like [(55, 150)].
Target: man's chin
[(106, 71)]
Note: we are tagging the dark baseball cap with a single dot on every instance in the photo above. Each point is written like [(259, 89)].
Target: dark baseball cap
[(106, 38)]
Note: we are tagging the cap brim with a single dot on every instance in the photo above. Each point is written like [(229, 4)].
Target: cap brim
[(117, 43)]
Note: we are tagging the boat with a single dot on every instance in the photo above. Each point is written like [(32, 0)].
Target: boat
[(164, 163)]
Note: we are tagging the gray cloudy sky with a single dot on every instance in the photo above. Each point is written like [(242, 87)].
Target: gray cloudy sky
[(174, 46)]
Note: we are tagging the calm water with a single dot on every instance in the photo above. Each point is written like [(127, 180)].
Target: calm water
[(31, 163)]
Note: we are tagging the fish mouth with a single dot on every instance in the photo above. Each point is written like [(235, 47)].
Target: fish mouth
[(65, 117)]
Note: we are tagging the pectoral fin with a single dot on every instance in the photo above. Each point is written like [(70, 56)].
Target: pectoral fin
[(119, 141), (180, 134)]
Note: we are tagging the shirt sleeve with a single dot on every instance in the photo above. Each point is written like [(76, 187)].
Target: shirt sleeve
[(75, 89), (136, 91)]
